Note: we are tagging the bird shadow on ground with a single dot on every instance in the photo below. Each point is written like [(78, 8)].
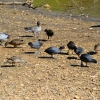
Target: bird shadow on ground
[(63, 53), (12, 47), (8, 66), (43, 57), (85, 66), (26, 36), (29, 52), (91, 52), (72, 57), (75, 65), (44, 40), (94, 26)]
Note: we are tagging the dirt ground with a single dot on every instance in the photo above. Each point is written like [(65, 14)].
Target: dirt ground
[(45, 78)]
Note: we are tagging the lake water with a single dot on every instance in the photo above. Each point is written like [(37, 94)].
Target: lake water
[(76, 7)]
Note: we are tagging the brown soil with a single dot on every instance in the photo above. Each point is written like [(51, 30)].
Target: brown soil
[(46, 78)]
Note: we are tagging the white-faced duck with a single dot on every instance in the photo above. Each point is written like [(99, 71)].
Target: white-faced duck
[(34, 29)]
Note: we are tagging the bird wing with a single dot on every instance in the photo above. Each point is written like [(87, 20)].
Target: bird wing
[(33, 29), (36, 29), (3, 36), (36, 44), (28, 29), (55, 50), (87, 57)]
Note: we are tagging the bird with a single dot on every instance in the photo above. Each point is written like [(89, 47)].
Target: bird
[(71, 46), (34, 29), (14, 60), (78, 50), (87, 58), (97, 47), (15, 42), (49, 32), (36, 45), (53, 50), (3, 37)]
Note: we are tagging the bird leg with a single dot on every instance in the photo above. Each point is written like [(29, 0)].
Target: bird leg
[(52, 57), (15, 46), (48, 37), (13, 63), (82, 64), (38, 51), (86, 64), (72, 52), (78, 57), (34, 34), (68, 51)]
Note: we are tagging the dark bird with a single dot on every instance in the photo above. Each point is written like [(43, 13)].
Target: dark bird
[(34, 29), (3, 37), (78, 50), (36, 45), (97, 47), (15, 42), (71, 46), (86, 58), (49, 32), (54, 50)]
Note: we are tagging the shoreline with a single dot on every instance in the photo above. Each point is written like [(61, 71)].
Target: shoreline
[(55, 13)]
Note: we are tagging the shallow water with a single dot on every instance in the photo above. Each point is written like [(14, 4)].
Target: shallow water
[(76, 7)]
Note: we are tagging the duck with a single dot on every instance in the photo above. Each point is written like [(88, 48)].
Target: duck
[(3, 37), (49, 32), (87, 58), (71, 46), (34, 29), (15, 42), (14, 60), (53, 50), (36, 45)]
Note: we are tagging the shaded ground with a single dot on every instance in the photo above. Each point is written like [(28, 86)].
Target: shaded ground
[(46, 78)]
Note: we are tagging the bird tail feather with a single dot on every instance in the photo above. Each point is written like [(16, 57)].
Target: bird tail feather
[(94, 61), (28, 29)]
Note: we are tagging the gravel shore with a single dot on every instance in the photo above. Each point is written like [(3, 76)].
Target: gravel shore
[(45, 78)]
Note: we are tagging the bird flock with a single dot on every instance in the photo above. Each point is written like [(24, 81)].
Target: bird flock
[(79, 51)]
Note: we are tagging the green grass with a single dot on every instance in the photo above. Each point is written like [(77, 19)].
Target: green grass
[(89, 6)]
